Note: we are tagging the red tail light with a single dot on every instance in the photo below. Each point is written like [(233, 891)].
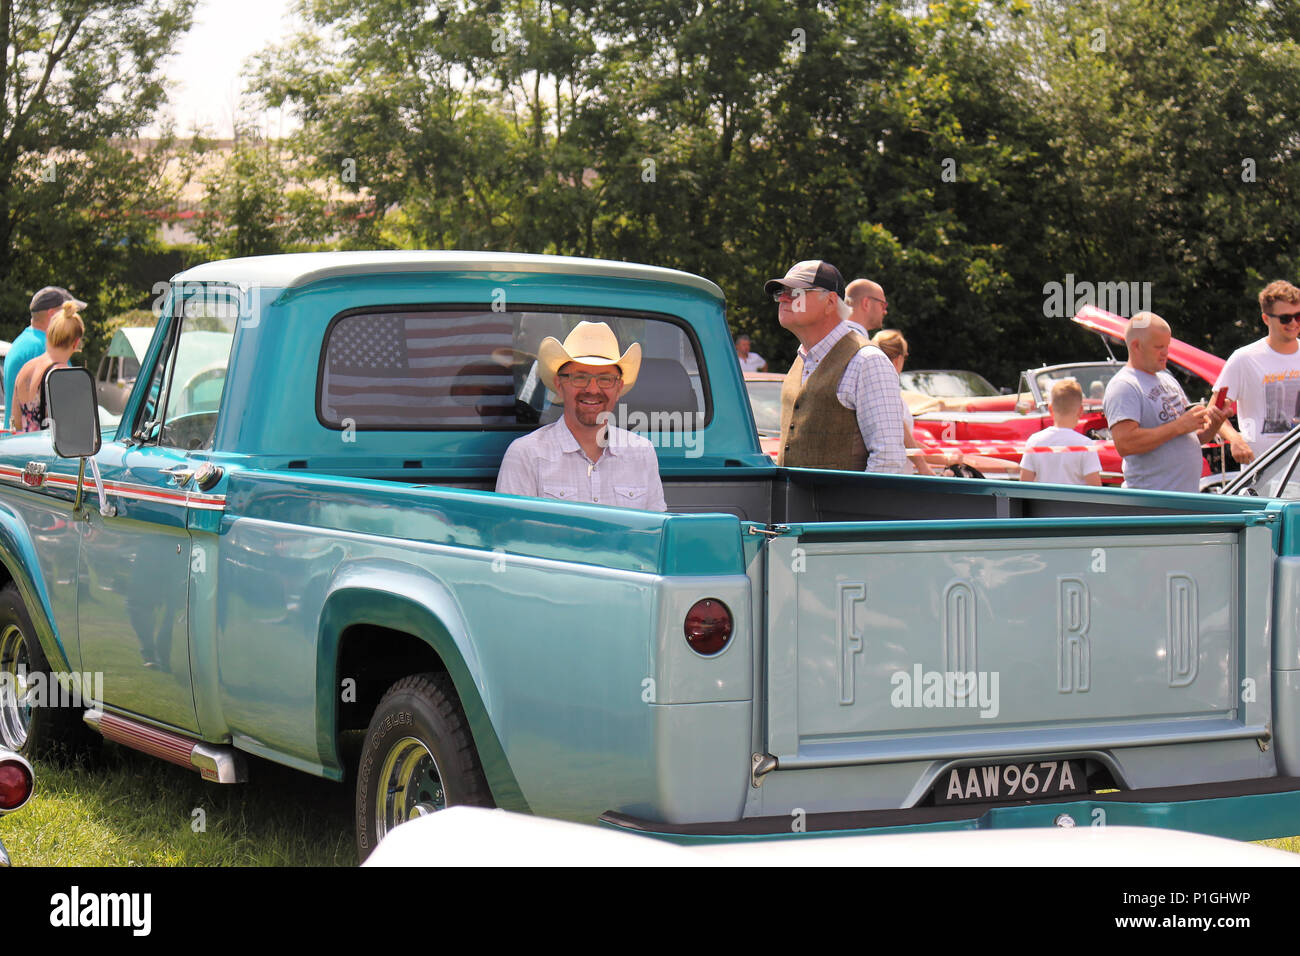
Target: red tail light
[(708, 626), (16, 781)]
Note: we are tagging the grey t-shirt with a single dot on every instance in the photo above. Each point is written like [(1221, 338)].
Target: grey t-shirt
[(1152, 401)]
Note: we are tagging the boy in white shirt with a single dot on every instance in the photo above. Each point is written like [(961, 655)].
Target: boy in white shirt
[(1062, 468)]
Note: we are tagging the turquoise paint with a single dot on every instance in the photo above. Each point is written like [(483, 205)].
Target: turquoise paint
[(18, 553), (357, 604)]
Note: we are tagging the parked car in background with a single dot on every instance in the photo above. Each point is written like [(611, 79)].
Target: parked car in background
[(1273, 474), (955, 389), (119, 367), (764, 390), (1027, 412), (17, 780)]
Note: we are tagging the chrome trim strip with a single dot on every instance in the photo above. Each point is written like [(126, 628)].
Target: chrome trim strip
[(994, 743), (123, 489)]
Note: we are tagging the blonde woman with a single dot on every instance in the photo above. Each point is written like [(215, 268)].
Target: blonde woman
[(892, 343), (62, 339)]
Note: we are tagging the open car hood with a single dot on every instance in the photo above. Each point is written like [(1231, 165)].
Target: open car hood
[(1197, 361)]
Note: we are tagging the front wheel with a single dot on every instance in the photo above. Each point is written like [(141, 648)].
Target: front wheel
[(38, 715), (418, 758)]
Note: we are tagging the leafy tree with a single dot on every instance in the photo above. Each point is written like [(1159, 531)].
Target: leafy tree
[(1177, 161), (78, 195), (255, 204)]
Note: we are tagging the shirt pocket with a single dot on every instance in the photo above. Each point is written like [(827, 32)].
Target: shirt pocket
[(556, 482), (631, 496)]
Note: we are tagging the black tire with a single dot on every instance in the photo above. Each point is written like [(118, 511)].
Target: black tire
[(52, 726), (418, 748)]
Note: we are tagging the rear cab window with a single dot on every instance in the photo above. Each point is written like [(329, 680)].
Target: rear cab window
[(473, 368)]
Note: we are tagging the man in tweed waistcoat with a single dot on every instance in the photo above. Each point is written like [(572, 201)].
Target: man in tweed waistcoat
[(840, 404)]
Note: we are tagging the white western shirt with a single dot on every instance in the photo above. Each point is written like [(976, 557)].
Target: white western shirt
[(549, 463)]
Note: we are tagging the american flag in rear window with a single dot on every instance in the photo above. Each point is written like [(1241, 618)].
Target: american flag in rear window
[(478, 369), (420, 370)]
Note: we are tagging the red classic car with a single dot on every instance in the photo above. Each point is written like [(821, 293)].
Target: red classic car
[(764, 390), (998, 425)]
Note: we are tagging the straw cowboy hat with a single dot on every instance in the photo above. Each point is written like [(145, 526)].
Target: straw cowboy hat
[(590, 343)]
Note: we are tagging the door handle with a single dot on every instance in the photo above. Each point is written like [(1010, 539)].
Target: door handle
[(179, 474)]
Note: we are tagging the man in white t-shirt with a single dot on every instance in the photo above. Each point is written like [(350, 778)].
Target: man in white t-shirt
[(749, 361), (1263, 378), (1067, 467)]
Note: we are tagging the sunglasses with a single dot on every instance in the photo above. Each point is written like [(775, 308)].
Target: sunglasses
[(583, 379), (1285, 319), (792, 294)]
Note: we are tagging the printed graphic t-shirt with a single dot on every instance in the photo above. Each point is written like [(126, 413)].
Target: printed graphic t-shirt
[(1152, 401), (1266, 387)]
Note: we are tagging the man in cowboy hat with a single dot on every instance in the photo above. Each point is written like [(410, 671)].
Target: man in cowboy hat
[(582, 457)]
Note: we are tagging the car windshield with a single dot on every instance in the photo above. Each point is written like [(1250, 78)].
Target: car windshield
[(765, 397), (947, 384), (1093, 379)]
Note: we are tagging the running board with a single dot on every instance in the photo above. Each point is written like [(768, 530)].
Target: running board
[(213, 762)]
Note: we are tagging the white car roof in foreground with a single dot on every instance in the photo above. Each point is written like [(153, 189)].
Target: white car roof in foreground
[(473, 836), (294, 270)]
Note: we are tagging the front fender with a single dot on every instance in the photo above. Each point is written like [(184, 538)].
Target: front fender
[(18, 554), (410, 600)]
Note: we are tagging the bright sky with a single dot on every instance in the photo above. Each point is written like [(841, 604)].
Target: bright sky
[(205, 71)]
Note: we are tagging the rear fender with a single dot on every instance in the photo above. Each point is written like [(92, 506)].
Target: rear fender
[(407, 599)]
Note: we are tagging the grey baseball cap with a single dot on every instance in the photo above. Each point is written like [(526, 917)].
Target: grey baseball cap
[(809, 274), (51, 297)]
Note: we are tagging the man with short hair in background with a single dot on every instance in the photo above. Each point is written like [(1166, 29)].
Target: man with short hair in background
[(749, 361), (1154, 428), (1264, 377), (840, 406), (1061, 467), (867, 301), (30, 342)]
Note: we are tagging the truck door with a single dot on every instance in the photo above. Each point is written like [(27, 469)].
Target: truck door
[(134, 573)]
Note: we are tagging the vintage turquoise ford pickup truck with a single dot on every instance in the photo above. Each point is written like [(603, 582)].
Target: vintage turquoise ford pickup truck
[(298, 549)]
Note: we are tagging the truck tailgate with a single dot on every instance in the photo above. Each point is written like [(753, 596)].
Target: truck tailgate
[(891, 641)]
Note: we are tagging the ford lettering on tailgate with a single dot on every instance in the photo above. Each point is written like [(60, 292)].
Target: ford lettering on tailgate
[(884, 639)]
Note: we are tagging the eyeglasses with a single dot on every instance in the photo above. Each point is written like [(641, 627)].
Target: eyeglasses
[(1285, 319), (792, 294), (583, 379), (877, 299)]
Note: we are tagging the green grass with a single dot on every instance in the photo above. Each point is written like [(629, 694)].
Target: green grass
[(133, 810)]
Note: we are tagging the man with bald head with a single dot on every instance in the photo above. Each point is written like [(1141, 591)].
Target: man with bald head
[(1155, 430), (867, 300)]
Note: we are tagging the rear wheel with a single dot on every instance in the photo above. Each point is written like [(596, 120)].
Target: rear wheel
[(36, 717), (418, 758)]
